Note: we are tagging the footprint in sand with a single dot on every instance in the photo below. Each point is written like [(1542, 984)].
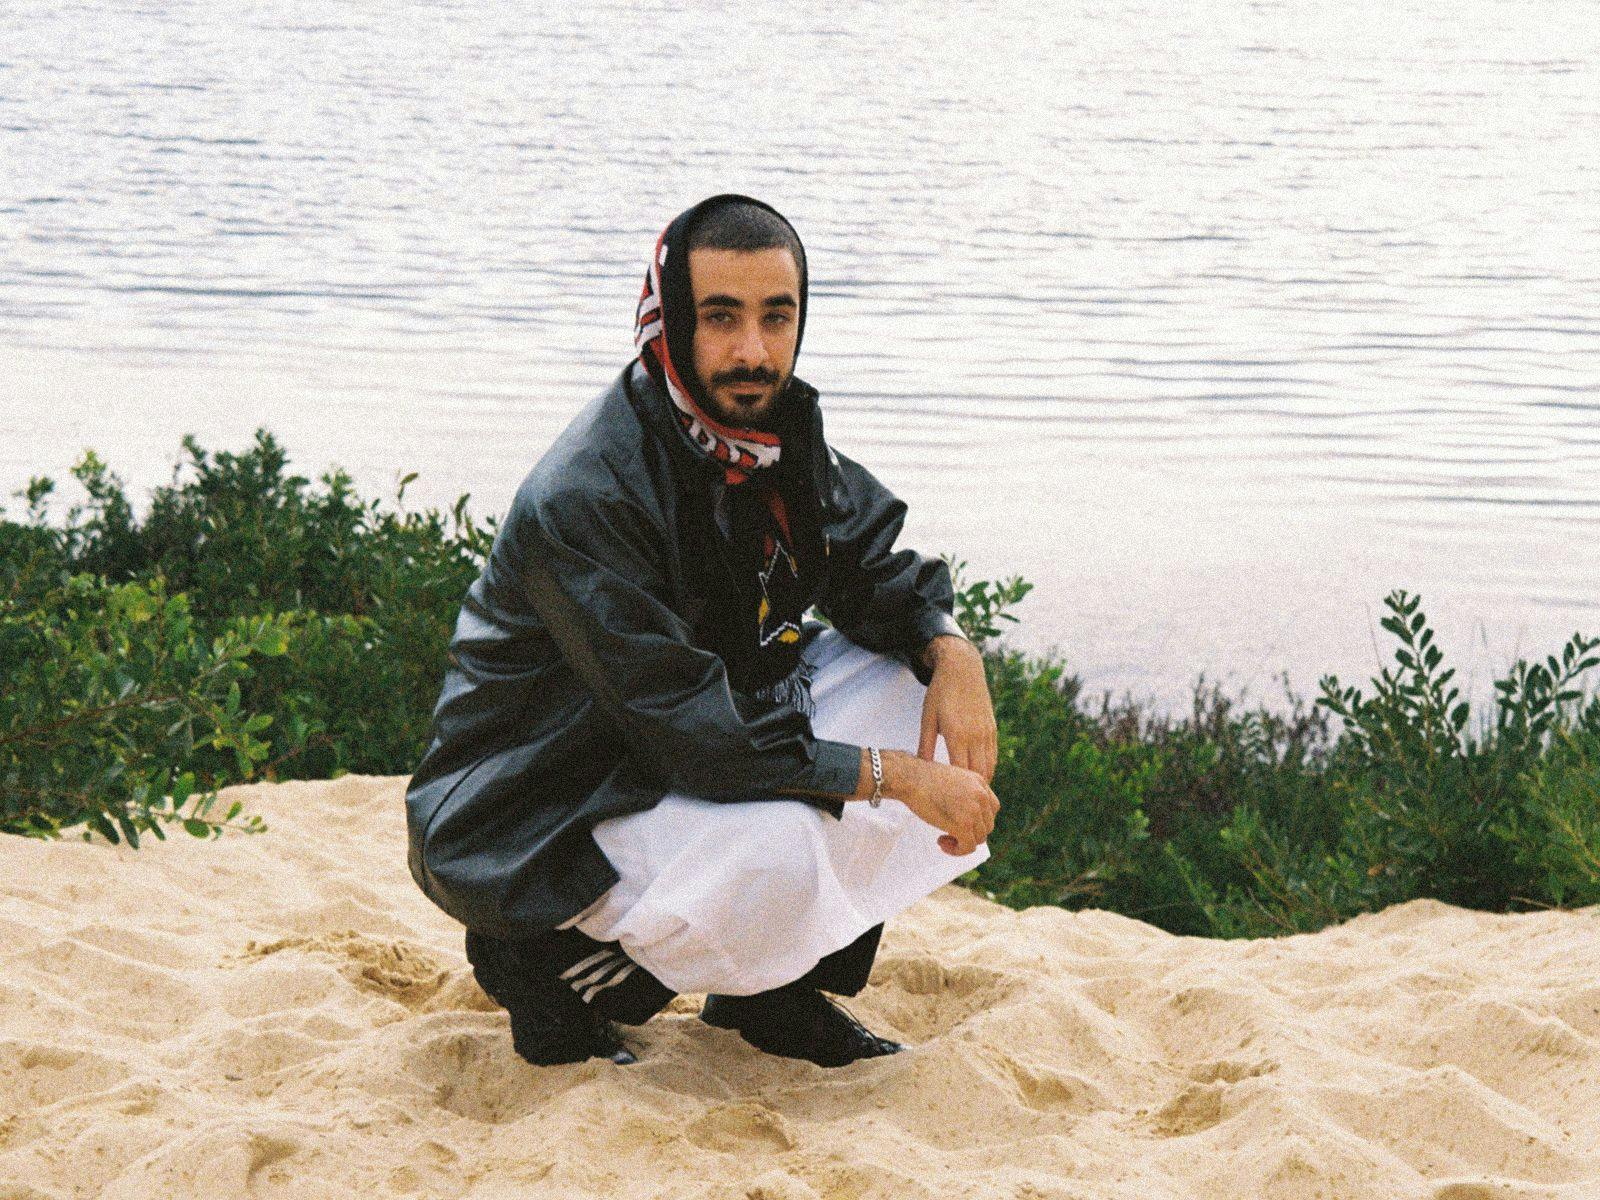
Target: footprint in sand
[(741, 1129)]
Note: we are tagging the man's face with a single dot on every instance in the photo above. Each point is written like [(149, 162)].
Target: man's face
[(747, 308)]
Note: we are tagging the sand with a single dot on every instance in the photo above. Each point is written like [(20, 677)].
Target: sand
[(285, 1015)]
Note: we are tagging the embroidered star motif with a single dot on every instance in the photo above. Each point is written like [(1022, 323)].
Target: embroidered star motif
[(781, 562)]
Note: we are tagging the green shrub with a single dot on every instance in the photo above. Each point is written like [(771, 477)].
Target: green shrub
[(1422, 807), (119, 714), (979, 605), (250, 626), (1232, 823), (374, 594), (1072, 820), (343, 610), (1554, 833)]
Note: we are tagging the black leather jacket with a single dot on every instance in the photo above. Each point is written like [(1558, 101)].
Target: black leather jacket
[(582, 684)]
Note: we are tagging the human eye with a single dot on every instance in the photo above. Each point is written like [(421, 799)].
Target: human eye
[(777, 319), (718, 317)]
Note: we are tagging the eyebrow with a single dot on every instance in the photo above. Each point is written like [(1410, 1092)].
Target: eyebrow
[(720, 300)]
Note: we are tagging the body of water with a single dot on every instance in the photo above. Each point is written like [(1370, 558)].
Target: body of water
[(1217, 322)]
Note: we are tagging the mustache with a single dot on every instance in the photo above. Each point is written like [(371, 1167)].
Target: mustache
[(743, 375)]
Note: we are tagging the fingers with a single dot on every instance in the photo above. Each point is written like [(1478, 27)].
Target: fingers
[(960, 745), (930, 731), (977, 750), (987, 753), (969, 831), (954, 846), (989, 806)]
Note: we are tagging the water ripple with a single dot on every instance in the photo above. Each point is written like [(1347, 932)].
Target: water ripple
[(1187, 282)]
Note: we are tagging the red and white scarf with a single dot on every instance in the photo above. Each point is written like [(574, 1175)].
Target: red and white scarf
[(741, 451)]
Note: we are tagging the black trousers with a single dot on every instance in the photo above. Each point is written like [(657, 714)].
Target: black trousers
[(845, 971), (612, 984)]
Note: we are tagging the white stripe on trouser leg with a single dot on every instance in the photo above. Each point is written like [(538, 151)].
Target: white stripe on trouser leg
[(575, 968), (613, 981), (599, 973)]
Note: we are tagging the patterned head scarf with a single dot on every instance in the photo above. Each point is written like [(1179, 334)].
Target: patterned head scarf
[(664, 334)]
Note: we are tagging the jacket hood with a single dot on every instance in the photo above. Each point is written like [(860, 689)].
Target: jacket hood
[(664, 325)]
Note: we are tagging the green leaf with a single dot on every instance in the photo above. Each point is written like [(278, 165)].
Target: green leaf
[(198, 828), (273, 642), (100, 822)]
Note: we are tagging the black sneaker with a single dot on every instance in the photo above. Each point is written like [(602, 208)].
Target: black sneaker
[(549, 1023), (797, 1023)]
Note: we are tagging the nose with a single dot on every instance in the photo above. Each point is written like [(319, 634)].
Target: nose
[(750, 349)]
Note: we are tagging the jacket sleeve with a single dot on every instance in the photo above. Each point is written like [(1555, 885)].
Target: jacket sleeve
[(888, 600), (595, 575)]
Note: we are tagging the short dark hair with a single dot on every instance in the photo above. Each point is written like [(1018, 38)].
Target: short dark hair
[(740, 225)]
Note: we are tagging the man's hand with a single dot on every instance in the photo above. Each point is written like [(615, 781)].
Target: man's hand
[(949, 798), (958, 708)]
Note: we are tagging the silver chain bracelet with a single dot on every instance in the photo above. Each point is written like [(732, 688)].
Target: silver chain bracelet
[(877, 778)]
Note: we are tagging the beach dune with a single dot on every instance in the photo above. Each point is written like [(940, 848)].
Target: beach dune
[(285, 1015)]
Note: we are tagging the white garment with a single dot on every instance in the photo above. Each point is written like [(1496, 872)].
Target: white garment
[(741, 897)]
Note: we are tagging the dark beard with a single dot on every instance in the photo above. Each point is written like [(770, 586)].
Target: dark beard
[(774, 420)]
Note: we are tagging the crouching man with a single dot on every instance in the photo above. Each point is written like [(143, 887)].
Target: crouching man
[(647, 772)]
